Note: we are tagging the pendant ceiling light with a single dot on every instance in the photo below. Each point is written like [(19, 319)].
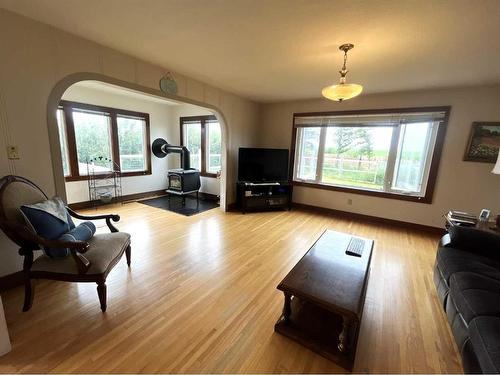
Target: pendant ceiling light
[(343, 90)]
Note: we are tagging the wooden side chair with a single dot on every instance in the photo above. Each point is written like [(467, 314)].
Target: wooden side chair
[(89, 261)]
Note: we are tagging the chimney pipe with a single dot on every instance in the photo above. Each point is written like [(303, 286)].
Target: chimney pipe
[(162, 148)]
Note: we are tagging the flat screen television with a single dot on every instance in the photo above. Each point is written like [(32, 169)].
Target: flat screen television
[(262, 164)]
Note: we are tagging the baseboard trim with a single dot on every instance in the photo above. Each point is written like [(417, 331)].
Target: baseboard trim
[(11, 281), (125, 199), (146, 195), (373, 219), (137, 197)]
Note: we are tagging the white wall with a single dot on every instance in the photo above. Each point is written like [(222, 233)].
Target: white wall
[(35, 57), (460, 185)]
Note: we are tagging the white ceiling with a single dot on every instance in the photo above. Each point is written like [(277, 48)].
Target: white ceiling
[(273, 50)]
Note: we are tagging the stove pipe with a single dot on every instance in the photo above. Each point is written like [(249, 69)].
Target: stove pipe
[(162, 148)]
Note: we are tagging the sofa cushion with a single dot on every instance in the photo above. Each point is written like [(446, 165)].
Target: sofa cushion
[(104, 250), (475, 295), (485, 337), (450, 260)]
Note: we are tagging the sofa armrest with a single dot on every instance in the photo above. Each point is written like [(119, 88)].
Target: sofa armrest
[(476, 240)]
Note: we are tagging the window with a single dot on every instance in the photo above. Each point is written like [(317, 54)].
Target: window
[(132, 143), (214, 143), (87, 132), (393, 154), (192, 140), (202, 137), (92, 137)]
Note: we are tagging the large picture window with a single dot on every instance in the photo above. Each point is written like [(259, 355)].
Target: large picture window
[(202, 136), (88, 131), (388, 153)]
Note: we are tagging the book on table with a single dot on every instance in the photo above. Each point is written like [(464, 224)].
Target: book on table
[(461, 218)]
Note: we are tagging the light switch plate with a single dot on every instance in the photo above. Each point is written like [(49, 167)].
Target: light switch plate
[(13, 152)]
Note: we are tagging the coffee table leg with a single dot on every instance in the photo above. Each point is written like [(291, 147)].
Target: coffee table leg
[(343, 344), (287, 308)]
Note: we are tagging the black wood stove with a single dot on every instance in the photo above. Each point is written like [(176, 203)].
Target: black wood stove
[(181, 181)]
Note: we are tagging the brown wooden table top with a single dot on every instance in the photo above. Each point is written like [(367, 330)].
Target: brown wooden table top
[(329, 277)]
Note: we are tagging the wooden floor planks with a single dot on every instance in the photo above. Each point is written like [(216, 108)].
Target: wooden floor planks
[(201, 297)]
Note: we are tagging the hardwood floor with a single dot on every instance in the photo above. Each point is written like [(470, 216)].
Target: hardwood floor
[(201, 297)]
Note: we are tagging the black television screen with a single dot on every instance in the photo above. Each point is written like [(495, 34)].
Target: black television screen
[(262, 164)]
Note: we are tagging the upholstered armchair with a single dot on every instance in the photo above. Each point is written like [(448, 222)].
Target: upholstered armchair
[(89, 261)]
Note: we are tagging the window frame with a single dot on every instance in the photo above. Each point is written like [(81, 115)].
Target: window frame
[(203, 121), (435, 156), (65, 140), (68, 107)]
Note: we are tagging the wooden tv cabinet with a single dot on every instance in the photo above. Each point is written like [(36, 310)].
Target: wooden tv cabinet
[(253, 196)]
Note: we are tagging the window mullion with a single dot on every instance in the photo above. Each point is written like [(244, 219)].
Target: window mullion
[(203, 146), (115, 148), (297, 165), (430, 141), (321, 155), (392, 157), (70, 135)]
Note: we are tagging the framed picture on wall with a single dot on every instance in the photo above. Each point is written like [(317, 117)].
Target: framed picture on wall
[(484, 142)]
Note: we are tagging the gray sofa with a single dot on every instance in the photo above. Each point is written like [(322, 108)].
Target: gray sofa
[(467, 278)]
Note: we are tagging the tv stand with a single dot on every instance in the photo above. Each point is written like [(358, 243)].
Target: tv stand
[(253, 196), (261, 183)]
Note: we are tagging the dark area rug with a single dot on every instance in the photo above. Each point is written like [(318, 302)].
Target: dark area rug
[(175, 204)]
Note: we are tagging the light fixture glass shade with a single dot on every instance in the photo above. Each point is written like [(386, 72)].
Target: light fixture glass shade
[(496, 168), (342, 91)]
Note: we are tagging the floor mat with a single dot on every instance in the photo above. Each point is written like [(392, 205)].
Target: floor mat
[(190, 208)]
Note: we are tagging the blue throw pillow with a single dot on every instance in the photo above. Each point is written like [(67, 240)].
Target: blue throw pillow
[(83, 232), (49, 218)]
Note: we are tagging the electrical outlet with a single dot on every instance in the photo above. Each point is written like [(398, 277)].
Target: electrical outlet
[(349, 202), (13, 152)]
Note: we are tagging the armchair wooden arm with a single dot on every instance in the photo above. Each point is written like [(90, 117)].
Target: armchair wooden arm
[(77, 249), (32, 241), (107, 217)]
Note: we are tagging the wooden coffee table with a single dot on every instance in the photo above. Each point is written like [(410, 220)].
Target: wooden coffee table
[(324, 298)]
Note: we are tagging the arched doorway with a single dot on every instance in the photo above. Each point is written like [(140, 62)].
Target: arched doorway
[(61, 87)]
